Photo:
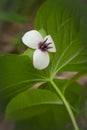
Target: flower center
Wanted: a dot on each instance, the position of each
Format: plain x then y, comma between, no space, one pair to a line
43,46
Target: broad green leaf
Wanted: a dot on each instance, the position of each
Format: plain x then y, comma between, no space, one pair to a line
56,118
16,75
65,21
74,92
53,116
29,52
31,103
42,31
76,77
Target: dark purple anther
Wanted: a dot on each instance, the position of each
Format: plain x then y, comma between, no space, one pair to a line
43,46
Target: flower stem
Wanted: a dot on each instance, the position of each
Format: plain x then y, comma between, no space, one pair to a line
66,105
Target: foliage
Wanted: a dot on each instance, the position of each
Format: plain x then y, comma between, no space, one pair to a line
45,108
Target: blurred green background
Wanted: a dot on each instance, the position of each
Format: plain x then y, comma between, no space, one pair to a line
16,17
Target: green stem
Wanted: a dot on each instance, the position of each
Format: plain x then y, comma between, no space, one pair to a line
66,105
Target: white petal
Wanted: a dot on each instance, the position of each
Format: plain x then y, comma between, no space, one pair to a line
40,59
32,38
50,40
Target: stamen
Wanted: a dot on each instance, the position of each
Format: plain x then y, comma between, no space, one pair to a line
45,41
49,43
44,46
49,47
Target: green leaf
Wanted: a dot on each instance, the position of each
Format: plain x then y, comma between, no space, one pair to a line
55,118
29,52
16,75
74,92
65,22
12,17
42,31
31,103
74,79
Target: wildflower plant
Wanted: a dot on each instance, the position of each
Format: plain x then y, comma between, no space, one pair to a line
34,40
60,28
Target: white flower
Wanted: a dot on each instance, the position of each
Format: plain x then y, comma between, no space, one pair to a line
34,40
